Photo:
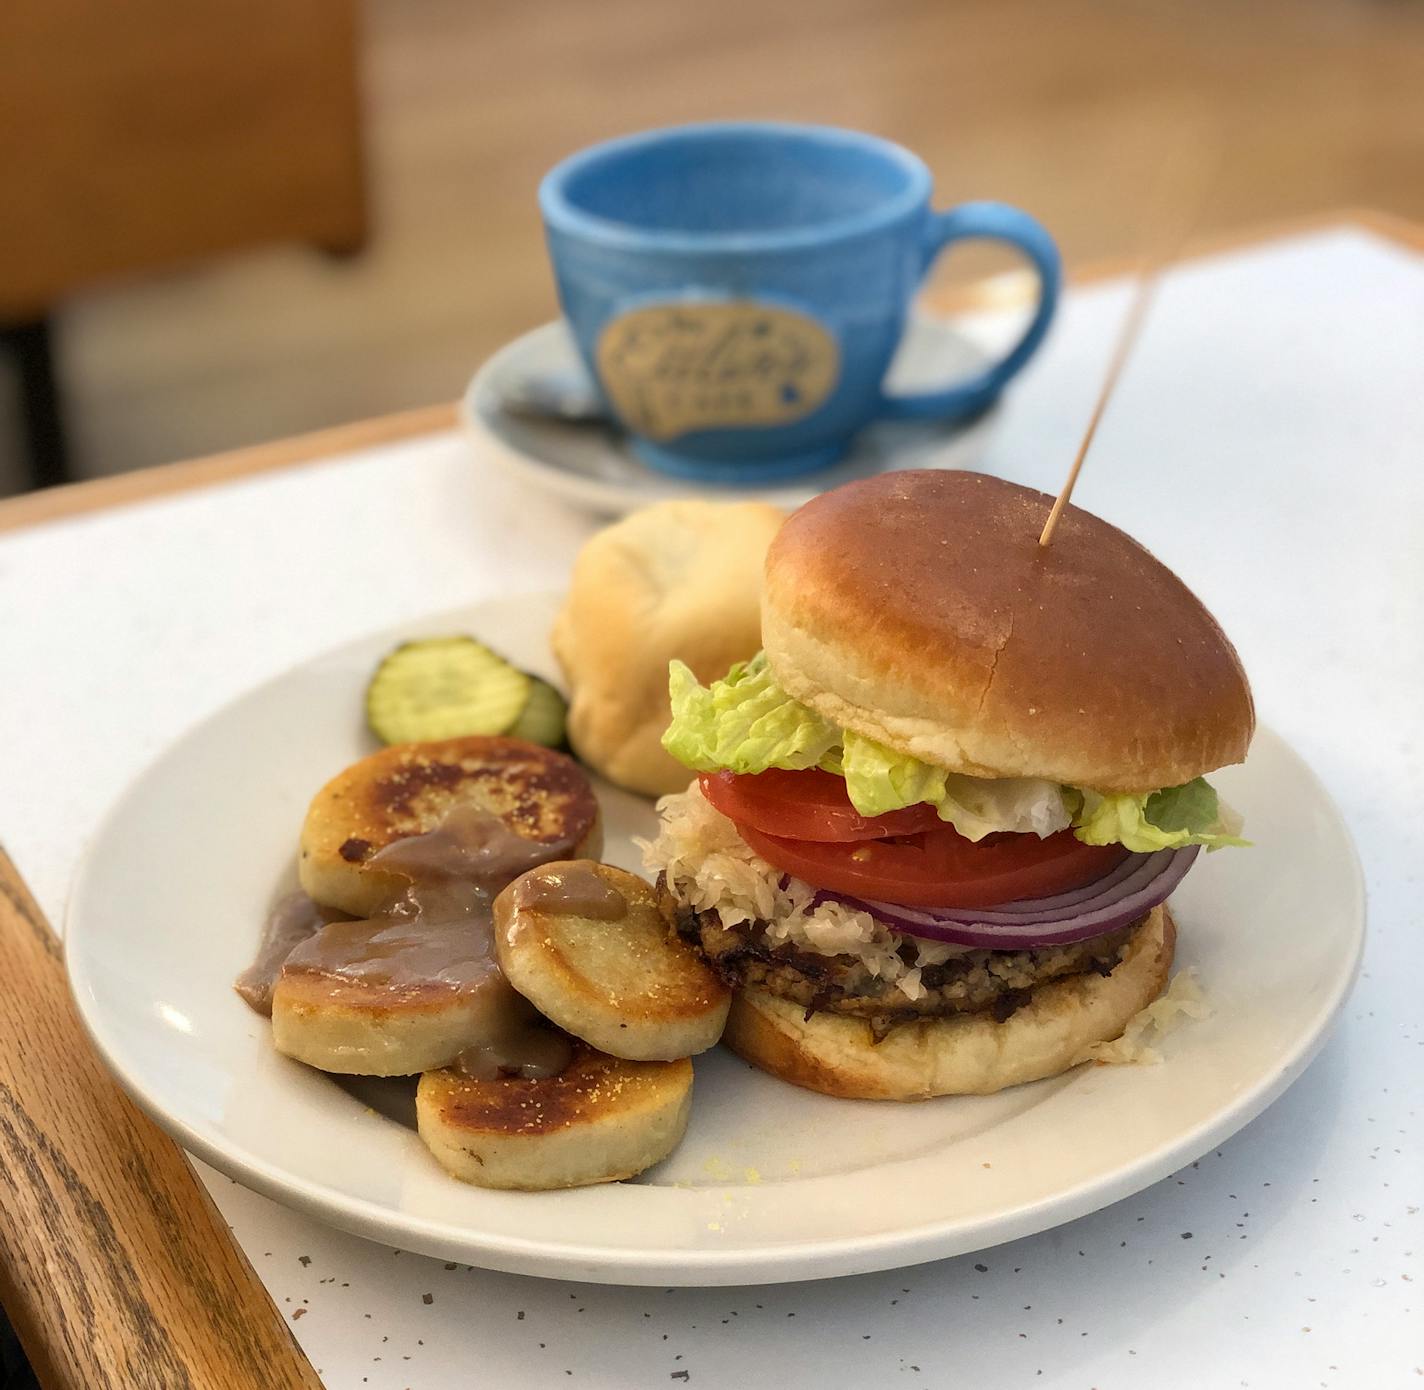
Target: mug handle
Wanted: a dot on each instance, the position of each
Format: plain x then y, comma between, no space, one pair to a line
995,222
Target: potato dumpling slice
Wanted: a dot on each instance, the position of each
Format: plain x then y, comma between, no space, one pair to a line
410,789
360,1028
601,1119
590,948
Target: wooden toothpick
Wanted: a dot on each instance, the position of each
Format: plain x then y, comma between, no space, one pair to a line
1146,288
1184,181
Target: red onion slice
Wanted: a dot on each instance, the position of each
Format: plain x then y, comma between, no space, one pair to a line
1142,870
1121,896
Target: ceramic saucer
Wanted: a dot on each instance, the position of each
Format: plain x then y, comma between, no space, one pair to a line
590,464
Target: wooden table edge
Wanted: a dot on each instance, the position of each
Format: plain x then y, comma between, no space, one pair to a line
116,1267
100,494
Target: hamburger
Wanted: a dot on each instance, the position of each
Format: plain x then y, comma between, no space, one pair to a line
937,819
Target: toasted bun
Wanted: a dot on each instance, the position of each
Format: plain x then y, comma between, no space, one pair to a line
600,1120
408,789
918,609
629,986
677,579
969,1054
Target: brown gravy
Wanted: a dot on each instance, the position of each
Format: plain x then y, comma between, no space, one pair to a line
469,845
290,923
436,933
424,939
531,1051
570,890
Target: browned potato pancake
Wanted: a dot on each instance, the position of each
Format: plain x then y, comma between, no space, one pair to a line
601,1119
410,788
591,948
415,842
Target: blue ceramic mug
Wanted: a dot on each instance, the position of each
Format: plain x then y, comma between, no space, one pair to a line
739,289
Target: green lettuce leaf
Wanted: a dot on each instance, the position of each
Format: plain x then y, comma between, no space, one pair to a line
744,722
878,779
747,723
1169,819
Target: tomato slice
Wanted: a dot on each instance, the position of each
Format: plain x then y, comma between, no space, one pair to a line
940,868
809,805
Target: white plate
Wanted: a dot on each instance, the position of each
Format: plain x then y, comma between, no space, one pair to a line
771,1183
591,465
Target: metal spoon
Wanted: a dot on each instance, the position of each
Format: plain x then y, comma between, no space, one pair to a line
560,393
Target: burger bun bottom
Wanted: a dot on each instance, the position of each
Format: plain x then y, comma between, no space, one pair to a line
966,1054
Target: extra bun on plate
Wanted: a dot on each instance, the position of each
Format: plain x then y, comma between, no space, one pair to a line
677,580
938,818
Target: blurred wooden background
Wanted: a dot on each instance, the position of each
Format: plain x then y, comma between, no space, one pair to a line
1066,107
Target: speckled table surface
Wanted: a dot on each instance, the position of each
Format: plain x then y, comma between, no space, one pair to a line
1266,444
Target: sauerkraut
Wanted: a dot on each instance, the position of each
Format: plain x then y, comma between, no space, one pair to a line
1183,999
711,868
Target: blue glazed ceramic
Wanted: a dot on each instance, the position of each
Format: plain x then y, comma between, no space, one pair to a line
738,289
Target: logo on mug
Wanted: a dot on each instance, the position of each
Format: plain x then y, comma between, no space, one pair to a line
670,369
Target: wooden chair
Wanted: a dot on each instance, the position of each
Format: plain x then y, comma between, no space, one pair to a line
141,135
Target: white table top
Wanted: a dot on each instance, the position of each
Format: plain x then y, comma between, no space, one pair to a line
1267,441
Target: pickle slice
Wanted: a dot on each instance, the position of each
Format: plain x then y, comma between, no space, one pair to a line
543,717
444,687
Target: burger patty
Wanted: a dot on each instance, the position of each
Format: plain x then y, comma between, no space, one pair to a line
976,981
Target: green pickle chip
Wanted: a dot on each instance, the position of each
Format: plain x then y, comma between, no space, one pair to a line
444,687
544,716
